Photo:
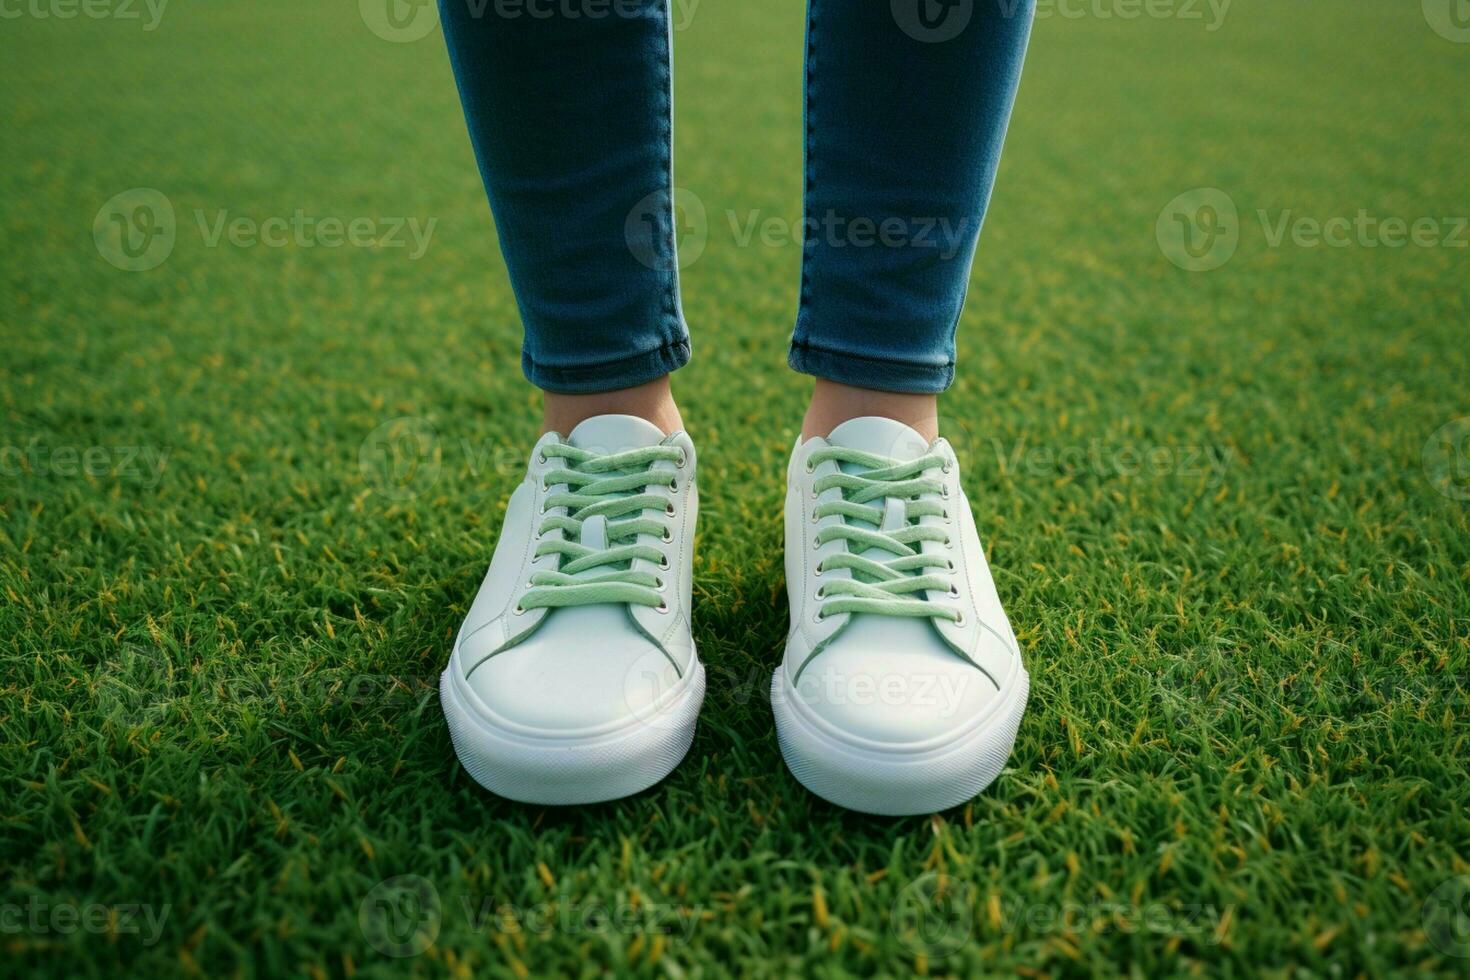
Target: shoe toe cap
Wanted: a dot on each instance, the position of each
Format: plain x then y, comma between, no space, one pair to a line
583,670
894,683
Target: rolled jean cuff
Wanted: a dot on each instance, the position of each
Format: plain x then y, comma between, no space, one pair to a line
584,379
882,374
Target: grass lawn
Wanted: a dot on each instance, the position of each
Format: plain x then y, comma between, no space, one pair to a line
247,495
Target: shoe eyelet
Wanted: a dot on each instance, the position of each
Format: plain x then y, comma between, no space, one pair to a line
668,537
949,564
663,563
811,467
944,492
673,486
954,592
946,541
819,616
519,610
960,620
541,458
669,509
815,518
945,514
660,583
818,570
662,607
682,460
944,467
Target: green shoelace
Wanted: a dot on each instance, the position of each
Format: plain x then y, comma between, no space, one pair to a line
610,486
893,587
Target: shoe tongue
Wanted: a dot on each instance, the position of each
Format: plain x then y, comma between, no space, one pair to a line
615,433
879,436
891,440
605,435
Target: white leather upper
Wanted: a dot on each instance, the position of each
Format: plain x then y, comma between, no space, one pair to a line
884,679
580,669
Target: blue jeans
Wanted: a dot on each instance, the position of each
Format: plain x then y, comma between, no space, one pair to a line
907,103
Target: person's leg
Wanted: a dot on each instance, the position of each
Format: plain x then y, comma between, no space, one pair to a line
570,117
902,684
574,678
906,108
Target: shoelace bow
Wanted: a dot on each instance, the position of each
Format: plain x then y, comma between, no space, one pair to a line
886,588
610,486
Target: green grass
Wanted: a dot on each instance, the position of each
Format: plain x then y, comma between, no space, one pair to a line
1246,746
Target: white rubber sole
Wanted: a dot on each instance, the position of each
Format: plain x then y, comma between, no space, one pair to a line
896,782
556,771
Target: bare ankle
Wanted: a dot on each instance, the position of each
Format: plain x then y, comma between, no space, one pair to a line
653,401
833,403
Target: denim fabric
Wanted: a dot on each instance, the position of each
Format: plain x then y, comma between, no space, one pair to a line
906,108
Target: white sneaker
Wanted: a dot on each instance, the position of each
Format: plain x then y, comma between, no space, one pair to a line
902,685
574,678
